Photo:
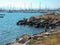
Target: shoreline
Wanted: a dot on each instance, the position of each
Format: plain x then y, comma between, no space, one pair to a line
26,39
20,40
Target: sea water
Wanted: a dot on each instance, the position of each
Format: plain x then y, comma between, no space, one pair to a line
9,31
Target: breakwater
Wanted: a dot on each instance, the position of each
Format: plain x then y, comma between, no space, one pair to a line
47,20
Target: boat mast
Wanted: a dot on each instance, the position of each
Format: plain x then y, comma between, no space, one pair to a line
40,4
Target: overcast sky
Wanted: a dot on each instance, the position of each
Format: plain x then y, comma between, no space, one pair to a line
29,4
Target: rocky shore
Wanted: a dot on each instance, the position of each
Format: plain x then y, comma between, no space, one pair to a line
45,20
51,35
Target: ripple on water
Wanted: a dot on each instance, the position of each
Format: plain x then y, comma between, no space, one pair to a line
9,30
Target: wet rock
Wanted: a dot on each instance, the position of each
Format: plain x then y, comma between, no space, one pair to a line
8,44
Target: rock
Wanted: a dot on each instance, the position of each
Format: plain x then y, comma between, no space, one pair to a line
8,44
23,37
41,21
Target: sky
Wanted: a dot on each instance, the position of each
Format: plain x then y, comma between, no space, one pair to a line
27,4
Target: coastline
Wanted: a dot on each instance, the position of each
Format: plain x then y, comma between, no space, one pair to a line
37,37
26,39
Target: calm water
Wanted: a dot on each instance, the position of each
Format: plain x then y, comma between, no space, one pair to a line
9,30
